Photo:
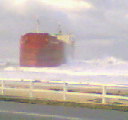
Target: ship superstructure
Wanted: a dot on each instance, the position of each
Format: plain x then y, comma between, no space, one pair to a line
69,45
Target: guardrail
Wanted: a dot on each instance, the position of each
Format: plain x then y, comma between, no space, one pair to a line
65,86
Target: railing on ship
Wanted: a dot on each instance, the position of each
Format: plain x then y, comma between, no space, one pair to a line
8,86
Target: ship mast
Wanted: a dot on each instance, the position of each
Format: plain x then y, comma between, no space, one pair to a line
37,25
59,29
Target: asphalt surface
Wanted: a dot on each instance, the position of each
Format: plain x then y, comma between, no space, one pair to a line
25,111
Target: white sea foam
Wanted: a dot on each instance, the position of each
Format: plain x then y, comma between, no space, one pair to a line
106,70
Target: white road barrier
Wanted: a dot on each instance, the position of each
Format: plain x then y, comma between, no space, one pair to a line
31,88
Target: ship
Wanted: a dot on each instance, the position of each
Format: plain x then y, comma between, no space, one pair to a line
43,49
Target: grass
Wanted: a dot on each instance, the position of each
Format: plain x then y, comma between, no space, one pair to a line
114,106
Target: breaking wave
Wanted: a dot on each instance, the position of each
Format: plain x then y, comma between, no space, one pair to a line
100,61
108,60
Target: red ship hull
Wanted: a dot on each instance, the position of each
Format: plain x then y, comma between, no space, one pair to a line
41,50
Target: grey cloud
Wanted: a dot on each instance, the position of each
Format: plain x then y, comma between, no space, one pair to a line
99,31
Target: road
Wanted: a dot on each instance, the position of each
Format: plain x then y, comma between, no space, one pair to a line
25,111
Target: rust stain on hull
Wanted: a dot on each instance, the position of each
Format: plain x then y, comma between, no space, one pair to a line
41,50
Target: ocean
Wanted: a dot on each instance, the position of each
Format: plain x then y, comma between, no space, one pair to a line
108,71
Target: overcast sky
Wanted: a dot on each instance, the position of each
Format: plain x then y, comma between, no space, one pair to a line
100,27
